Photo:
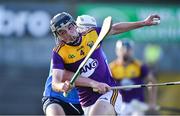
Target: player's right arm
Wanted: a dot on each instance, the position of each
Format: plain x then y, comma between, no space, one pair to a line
61,78
61,82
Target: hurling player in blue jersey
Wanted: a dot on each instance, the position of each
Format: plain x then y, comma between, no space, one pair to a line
64,105
72,47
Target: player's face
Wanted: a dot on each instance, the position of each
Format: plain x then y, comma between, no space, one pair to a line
68,33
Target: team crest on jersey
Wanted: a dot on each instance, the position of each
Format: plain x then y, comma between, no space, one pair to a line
89,68
71,56
90,44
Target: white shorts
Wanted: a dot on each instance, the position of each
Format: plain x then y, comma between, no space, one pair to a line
113,97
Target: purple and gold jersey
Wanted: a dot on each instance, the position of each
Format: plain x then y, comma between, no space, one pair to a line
132,74
70,57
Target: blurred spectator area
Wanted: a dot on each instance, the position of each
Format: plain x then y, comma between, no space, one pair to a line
34,52
24,67
29,52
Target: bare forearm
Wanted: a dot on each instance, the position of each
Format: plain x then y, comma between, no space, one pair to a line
118,28
87,82
60,76
80,81
61,82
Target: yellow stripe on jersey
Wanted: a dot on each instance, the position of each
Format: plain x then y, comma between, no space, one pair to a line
114,97
132,70
71,54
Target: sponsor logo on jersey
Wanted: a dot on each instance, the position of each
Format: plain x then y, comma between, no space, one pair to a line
89,68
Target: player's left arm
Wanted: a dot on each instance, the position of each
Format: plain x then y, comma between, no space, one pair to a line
121,27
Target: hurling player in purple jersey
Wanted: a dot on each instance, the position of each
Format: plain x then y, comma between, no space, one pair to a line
128,70
72,47
70,103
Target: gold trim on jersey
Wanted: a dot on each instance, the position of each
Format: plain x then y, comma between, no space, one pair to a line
71,54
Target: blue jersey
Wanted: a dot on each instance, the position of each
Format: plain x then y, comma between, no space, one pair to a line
72,95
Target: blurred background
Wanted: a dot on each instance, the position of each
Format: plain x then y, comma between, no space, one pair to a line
26,43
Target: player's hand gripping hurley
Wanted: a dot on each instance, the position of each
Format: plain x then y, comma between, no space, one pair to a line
104,31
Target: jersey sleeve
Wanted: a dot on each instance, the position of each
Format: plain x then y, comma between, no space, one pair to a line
57,61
